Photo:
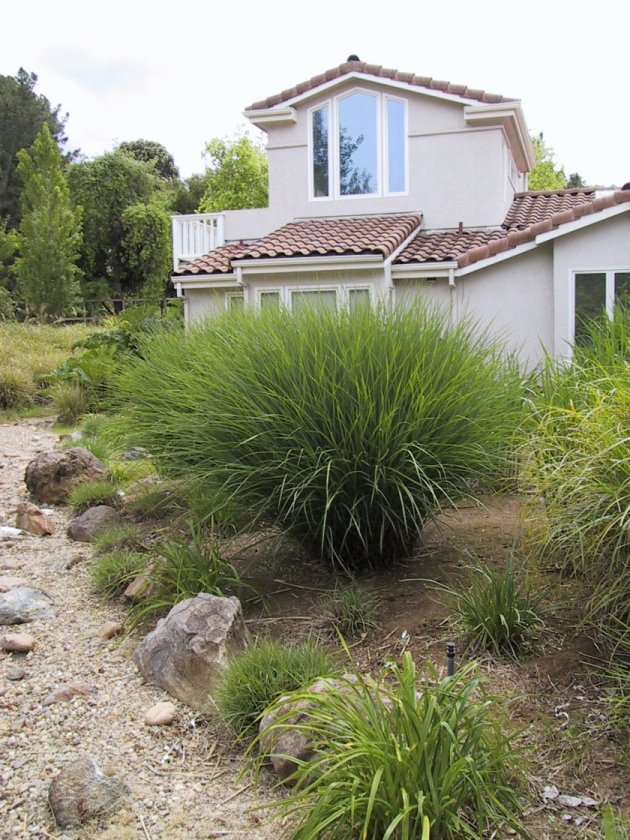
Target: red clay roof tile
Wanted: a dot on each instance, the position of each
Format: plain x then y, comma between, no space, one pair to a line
380,73
531,207
445,246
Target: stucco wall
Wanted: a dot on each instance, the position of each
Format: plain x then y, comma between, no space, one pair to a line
603,246
204,302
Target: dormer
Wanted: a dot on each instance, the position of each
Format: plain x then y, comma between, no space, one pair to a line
362,139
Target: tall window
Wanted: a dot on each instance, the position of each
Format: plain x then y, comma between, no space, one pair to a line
596,293
359,146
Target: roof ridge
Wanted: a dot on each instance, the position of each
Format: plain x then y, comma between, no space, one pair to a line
567,191
380,72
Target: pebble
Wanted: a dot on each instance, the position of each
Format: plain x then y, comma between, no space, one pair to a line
109,629
15,674
8,582
162,714
17,642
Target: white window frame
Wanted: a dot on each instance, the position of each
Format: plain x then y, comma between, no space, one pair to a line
382,145
229,296
610,291
268,291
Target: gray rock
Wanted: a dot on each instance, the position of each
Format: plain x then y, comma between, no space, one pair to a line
52,475
81,791
15,674
188,650
23,604
93,522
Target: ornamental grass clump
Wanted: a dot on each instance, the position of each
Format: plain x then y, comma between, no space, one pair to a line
386,759
348,431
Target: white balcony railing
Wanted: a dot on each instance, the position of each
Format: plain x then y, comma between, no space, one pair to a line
195,235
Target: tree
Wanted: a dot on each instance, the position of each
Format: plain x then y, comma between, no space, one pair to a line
148,151
49,236
545,175
107,188
146,248
22,114
575,181
237,175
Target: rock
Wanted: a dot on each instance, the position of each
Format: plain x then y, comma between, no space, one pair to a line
288,743
9,564
65,693
188,650
109,629
15,674
162,714
81,791
139,588
52,475
17,642
23,604
136,453
33,520
93,522
8,582
9,533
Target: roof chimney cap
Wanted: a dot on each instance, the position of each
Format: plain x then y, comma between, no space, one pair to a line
353,57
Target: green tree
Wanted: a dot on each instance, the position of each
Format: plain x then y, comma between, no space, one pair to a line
148,151
22,114
575,181
545,175
114,259
237,175
49,236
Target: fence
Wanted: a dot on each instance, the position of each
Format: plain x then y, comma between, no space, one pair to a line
94,311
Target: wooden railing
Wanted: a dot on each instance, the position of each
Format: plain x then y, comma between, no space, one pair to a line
195,235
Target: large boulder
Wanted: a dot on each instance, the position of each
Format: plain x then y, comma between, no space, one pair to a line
93,522
52,475
24,604
82,791
188,650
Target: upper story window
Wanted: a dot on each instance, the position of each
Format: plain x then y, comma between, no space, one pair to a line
359,146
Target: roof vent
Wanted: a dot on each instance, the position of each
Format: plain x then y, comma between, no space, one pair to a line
353,57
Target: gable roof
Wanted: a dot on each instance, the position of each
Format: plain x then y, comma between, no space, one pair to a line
379,72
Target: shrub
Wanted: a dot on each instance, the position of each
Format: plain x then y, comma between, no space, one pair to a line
351,609
385,760
349,431
263,672
16,391
112,572
496,611
90,494
70,402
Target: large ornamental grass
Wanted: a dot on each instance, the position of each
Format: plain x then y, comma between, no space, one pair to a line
348,431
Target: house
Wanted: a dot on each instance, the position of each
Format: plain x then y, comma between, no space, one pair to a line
389,187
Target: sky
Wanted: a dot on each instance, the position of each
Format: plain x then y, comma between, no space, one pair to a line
182,73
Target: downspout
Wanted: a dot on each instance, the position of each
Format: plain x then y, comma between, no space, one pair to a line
243,284
453,291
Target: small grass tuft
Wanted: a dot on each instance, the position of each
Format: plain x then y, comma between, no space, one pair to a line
16,391
261,673
90,494
69,402
497,611
122,536
351,610
112,572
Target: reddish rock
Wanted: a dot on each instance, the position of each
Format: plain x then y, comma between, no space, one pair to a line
8,582
82,791
33,520
51,476
109,629
162,714
65,693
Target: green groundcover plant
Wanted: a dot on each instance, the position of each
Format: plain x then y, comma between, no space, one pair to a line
349,431
385,759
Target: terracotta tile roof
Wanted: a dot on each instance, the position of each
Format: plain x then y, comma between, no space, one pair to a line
380,73
531,207
516,236
328,237
445,246
218,261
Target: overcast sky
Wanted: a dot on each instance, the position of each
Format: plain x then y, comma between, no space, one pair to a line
182,73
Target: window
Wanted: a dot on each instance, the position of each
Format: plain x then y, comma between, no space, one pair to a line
270,300
358,146
358,298
234,300
321,299
597,292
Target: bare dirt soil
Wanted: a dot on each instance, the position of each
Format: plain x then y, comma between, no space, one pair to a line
184,778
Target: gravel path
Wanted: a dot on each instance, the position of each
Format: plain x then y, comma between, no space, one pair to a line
183,784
